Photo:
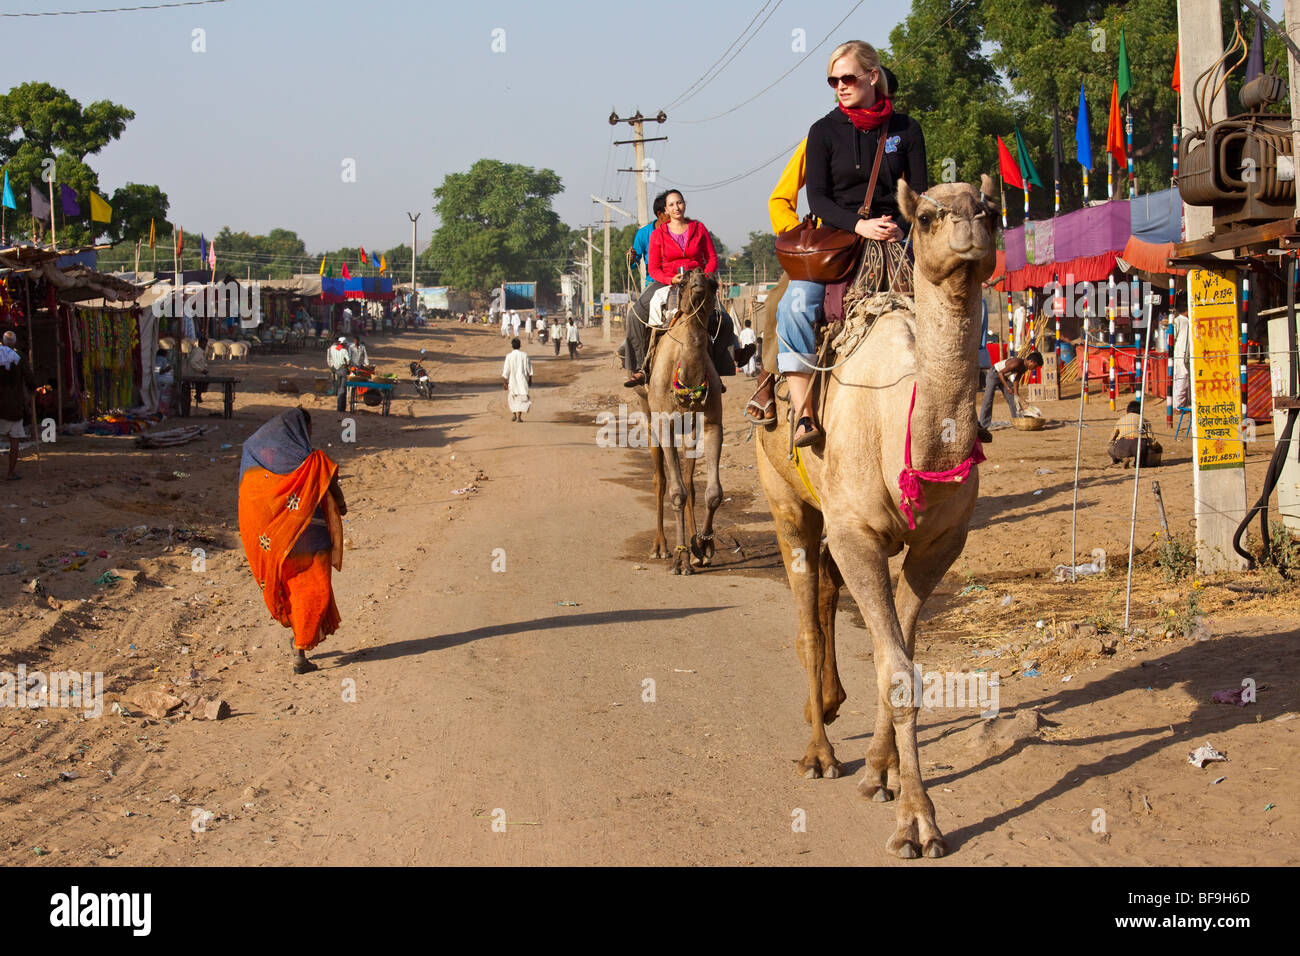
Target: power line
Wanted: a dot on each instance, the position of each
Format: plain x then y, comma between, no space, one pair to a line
687,94
77,13
785,74
705,187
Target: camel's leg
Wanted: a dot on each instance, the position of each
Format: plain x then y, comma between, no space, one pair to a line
868,580
660,547
688,477
708,445
829,583
677,488
798,532
916,582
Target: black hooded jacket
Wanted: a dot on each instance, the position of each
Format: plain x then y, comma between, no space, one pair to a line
839,159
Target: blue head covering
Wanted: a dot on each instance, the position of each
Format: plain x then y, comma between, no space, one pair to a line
279,446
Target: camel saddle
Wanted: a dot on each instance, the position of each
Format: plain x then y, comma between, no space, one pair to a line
882,284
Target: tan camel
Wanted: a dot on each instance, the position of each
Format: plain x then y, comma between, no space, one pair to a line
683,401
855,474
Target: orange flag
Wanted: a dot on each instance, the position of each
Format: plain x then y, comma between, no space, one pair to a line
1115,130
1177,83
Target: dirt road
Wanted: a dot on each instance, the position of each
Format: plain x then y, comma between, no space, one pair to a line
508,656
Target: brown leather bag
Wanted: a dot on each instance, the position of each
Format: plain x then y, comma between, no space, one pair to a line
825,254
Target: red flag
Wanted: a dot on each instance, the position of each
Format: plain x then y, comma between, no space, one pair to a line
1115,129
346,274
363,254
1177,83
180,240
1008,166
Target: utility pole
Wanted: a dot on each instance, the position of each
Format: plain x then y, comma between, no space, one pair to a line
586,268
637,122
604,311
414,219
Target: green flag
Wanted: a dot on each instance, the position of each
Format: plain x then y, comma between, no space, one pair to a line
1027,171
1125,77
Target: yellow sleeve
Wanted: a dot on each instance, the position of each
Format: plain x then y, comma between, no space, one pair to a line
782,205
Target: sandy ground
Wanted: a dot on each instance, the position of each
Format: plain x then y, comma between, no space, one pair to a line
499,645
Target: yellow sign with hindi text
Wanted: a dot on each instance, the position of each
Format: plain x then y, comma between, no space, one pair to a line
1216,380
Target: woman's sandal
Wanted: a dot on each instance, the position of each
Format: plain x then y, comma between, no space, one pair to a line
806,433
637,378
759,414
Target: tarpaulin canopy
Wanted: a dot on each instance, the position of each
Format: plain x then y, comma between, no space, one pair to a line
1084,243
1157,217
1151,256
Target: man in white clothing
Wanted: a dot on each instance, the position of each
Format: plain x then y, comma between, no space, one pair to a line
747,337
518,375
337,359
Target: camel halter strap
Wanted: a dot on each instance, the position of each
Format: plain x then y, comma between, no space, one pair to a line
909,479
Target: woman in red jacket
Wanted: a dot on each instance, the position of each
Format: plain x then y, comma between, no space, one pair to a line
676,247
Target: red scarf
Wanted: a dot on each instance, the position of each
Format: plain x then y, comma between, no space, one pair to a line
873,117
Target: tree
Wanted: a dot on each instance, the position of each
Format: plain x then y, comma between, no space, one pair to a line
947,82
497,224
134,208
756,260
42,127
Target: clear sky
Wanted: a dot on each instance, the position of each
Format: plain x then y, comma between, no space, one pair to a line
253,133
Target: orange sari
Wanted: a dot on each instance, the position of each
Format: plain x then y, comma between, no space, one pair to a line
274,511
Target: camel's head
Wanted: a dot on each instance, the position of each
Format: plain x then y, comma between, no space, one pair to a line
953,225
699,292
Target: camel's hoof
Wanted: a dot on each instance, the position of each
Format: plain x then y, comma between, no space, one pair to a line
936,848
677,569
814,767
882,795
907,851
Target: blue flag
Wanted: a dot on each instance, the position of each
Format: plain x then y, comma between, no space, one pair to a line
1082,133
9,195
374,259
68,199
203,249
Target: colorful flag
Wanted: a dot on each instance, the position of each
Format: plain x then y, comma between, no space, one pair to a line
374,260
9,194
1027,171
1125,82
383,263
1083,133
1007,167
212,254
100,210
346,274
180,240
203,249
322,265
40,204
1115,128
329,273
363,255
1177,82
68,199
152,236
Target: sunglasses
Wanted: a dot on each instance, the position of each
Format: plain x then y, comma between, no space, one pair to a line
848,79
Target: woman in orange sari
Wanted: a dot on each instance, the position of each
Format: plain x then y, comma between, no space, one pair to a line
290,511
